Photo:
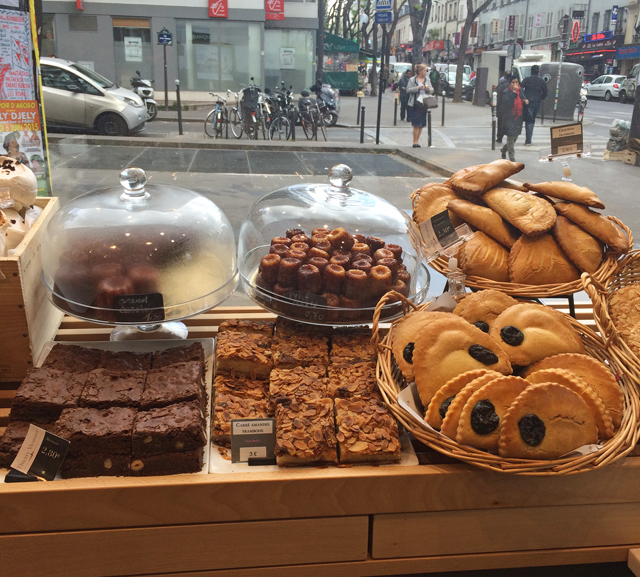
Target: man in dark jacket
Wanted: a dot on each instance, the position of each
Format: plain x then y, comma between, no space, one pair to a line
536,89
502,86
514,103
404,97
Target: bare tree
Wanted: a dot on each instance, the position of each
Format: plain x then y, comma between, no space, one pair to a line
464,41
419,12
395,8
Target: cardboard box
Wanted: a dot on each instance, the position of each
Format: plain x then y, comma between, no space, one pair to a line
27,318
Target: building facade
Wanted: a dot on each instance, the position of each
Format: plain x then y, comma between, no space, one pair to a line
212,50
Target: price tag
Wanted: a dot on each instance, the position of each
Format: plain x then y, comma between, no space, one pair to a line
41,454
567,139
252,439
145,308
438,233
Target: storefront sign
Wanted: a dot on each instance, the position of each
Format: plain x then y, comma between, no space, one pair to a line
512,23
566,139
606,35
456,38
627,52
80,4
200,38
132,49
436,45
218,8
274,9
538,19
496,25
474,30
252,439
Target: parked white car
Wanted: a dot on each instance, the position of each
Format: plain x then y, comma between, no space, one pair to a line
606,86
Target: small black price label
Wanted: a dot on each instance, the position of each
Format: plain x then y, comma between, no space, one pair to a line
41,454
144,308
252,439
438,232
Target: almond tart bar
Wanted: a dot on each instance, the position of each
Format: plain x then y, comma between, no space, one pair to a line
349,344
244,354
246,326
228,408
354,379
300,351
242,387
297,383
305,433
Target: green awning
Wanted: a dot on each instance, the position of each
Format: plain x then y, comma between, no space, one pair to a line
334,43
342,80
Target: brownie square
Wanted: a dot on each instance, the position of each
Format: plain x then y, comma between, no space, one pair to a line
355,379
305,433
244,354
13,438
106,389
179,427
296,383
227,408
300,351
192,353
125,361
45,392
106,431
173,384
242,387
244,326
96,465
168,463
352,345
73,359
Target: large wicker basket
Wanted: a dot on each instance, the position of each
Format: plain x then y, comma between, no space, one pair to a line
627,272
604,273
623,442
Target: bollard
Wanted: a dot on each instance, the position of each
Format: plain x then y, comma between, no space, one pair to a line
541,113
395,111
293,118
429,127
444,93
179,107
359,105
362,126
494,111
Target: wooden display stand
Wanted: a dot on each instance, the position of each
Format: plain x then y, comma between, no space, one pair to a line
353,521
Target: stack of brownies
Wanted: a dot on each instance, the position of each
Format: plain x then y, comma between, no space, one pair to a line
124,413
319,383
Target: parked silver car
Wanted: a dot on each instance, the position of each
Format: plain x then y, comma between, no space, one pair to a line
77,97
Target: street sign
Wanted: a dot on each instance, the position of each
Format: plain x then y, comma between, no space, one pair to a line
383,4
165,38
564,26
447,44
384,17
514,51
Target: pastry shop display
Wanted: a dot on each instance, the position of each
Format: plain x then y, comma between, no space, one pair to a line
350,248
228,407
246,354
483,307
585,251
352,379
298,382
539,260
485,220
483,256
432,199
481,178
138,254
530,214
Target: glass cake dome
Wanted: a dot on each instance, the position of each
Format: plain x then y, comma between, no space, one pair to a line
326,253
139,254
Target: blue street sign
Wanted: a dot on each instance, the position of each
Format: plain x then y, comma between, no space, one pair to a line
165,38
383,4
383,17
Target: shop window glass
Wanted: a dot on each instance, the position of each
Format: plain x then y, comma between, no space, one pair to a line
133,51
595,22
288,56
215,56
606,24
48,46
82,23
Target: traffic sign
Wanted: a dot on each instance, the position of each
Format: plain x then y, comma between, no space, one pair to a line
514,51
575,31
165,38
383,4
383,17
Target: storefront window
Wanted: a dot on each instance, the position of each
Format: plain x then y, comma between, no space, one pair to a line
289,57
133,50
218,56
48,46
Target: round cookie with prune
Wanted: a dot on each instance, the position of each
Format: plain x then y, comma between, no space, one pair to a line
530,332
591,371
483,307
482,415
546,421
449,347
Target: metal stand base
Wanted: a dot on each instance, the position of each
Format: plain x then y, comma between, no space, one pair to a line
171,330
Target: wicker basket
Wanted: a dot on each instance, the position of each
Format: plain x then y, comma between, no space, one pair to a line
603,274
627,272
622,443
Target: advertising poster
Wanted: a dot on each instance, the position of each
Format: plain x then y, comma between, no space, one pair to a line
132,49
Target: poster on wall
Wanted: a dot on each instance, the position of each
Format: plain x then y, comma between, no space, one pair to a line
287,58
132,49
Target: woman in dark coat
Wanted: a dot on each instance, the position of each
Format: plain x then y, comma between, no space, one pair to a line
513,105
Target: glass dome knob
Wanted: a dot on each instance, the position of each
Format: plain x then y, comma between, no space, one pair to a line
133,180
340,176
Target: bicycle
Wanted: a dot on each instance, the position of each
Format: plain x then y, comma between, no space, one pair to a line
280,126
235,116
217,118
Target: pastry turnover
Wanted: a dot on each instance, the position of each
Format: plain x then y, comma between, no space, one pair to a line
481,178
540,260
483,256
545,422
483,307
567,191
484,219
584,250
528,213
432,199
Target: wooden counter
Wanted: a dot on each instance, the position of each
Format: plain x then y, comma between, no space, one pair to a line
359,521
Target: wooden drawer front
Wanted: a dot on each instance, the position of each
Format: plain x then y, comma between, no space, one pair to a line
185,548
487,531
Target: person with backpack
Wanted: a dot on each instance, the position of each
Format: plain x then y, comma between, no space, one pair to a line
537,91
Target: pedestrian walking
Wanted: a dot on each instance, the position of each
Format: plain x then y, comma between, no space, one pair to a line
434,76
385,77
405,111
418,88
537,91
514,102
503,85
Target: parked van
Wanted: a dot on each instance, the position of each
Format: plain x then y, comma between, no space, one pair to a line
496,62
629,85
451,68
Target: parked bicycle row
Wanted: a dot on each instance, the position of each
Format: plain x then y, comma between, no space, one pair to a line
272,115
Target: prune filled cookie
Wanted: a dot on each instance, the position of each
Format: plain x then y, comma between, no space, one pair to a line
530,332
545,422
577,385
452,416
482,415
449,347
439,405
483,307
404,336
591,371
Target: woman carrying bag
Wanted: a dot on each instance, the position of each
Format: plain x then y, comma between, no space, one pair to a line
514,103
418,88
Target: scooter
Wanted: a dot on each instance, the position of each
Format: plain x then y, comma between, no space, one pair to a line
144,90
328,101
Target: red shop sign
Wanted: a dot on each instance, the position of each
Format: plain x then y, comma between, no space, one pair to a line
218,8
274,9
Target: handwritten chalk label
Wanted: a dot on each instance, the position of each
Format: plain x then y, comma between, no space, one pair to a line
252,439
438,233
41,454
307,298
143,308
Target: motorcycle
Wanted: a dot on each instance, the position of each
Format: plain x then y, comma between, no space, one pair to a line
144,90
328,102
